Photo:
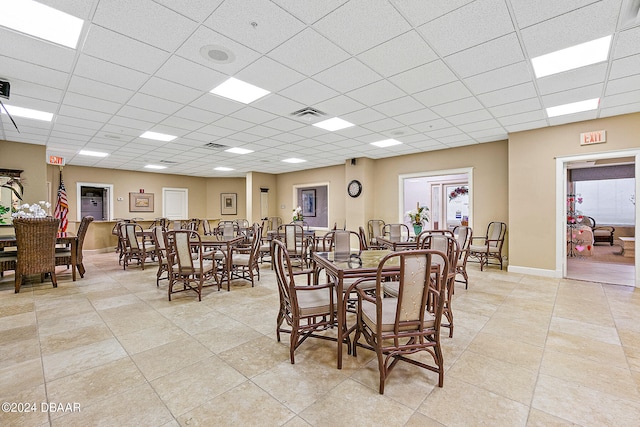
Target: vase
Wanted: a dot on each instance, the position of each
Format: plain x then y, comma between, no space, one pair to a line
417,229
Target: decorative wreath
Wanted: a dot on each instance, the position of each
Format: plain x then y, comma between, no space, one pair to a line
460,191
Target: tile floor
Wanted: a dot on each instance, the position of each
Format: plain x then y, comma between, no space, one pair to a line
527,351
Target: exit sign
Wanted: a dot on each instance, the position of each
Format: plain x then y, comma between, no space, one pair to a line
56,160
594,137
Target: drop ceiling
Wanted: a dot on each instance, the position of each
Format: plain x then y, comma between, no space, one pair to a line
431,74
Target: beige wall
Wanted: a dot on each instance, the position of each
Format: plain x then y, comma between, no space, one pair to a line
125,182
256,181
490,180
532,180
214,188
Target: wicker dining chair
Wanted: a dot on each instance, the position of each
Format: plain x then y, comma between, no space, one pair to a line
63,255
36,243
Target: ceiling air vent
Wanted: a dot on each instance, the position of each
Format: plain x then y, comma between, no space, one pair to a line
168,162
215,146
308,111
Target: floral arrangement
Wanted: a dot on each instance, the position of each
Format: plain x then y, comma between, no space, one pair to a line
460,191
36,210
573,215
297,214
419,215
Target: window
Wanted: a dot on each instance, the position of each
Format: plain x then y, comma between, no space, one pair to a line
608,201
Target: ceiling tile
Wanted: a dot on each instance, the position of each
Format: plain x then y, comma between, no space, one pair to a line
424,77
146,21
309,11
493,54
356,25
34,90
625,67
197,114
572,79
628,43
623,85
309,53
572,118
376,93
469,117
109,73
118,49
12,68
187,73
198,10
568,29
273,25
457,107
528,13
269,74
99,90
500,78
620,109
573,95
169,90
416,12
468,26
514,119
517,107
399,106
339,106
442,94
508,95
526,126
308,92
402,53
348,75
418,116
620,99
153,103
91,103
277,104
35,51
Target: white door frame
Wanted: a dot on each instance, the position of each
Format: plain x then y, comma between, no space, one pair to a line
402,177
561,205
108,187
186,207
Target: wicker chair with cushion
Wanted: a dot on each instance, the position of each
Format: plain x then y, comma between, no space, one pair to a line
244,261
190,268
294,240
160,242
489,246
136,247
375,228
397,327
306,309
463,234
36,243
396,231
63,255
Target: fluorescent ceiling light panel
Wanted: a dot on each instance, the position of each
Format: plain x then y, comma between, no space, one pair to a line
155,167
386,143
41,21
92,153
572,57
239,91
238,150
294,160
28,113
574,107
158,136
333,124
223,169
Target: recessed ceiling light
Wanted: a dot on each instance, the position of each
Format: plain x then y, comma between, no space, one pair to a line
238,150
38,20
333,124
572,57
28,113
386,143
155,167
158,136
223,169
574,107
294,160
92,153
239,91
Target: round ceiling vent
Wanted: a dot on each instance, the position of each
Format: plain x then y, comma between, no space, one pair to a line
217,54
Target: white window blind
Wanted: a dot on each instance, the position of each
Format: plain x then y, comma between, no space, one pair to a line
608,201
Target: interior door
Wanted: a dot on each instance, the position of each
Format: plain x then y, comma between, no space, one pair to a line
175,203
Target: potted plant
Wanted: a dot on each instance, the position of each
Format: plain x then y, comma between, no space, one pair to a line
418,216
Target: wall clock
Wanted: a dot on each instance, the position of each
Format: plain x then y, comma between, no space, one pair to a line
354,188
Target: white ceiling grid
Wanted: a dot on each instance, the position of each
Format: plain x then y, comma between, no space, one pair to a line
433,75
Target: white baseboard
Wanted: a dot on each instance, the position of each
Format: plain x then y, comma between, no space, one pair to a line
534,271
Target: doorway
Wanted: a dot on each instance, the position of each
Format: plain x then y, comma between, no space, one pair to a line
94,199
598,190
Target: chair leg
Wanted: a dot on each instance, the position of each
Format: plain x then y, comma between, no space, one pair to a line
18,282
54,280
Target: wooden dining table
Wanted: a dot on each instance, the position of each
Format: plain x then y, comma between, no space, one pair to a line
396,243
64,238
224,244
353,264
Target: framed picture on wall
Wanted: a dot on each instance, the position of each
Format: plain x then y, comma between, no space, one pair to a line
140,202
308,203
229,203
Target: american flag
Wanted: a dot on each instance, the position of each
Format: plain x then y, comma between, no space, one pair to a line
62,207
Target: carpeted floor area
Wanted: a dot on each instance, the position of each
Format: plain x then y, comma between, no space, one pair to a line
610,254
